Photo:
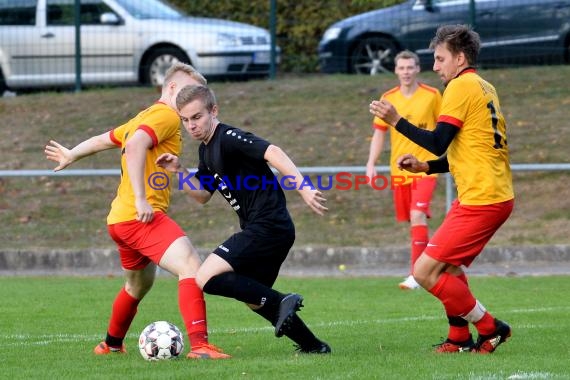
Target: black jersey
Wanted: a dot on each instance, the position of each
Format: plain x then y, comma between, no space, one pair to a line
233,163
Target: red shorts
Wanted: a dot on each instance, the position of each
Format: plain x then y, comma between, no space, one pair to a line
465,231
140,243
414,196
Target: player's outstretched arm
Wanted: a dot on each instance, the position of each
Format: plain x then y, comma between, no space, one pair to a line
281,161
171,163
65,157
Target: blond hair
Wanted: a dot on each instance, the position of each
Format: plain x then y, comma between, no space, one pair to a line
406,54
180,67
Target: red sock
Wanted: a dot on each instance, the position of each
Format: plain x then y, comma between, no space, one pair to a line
193,309
420,238
123,312
459,333
454,294
459,327
486,325
463,277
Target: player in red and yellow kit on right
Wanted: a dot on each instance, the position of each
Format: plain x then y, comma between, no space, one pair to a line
471,130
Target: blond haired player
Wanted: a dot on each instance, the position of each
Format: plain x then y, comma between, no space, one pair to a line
412,196
472,130
137,222
246,265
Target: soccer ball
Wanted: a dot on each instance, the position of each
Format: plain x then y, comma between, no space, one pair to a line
161,340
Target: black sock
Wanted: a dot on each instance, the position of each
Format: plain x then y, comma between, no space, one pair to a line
298,331
457,321
268,312
113,341
244,289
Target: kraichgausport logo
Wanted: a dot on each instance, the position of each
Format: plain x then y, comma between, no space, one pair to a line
340,181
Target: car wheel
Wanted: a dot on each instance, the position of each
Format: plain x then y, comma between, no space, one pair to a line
373,55
158,62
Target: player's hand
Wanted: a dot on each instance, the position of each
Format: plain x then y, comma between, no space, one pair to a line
315,200
145,213
412,164
58,153
385,111
169,162
371,173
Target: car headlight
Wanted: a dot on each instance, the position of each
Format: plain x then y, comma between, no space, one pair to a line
331,34
225,39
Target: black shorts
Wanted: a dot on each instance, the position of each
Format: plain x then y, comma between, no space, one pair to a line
257,254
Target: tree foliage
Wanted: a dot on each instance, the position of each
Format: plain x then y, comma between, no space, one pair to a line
300,24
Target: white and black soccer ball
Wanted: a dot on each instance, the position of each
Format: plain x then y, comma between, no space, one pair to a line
161,340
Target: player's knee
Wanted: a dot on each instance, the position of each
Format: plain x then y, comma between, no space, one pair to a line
138,289
418,218
202,280
421,276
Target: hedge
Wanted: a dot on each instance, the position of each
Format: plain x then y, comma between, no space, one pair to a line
300,24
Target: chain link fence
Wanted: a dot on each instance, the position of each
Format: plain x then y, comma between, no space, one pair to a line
135,41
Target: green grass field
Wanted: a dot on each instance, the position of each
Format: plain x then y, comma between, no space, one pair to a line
49,326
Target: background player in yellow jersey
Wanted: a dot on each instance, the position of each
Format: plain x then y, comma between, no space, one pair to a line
137,222
420,105
472,130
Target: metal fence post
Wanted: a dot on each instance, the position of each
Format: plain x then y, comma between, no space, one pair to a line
273,34
449,191
77,13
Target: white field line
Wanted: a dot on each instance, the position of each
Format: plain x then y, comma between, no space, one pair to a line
45,339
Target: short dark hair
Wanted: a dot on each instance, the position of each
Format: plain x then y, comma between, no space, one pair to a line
459,39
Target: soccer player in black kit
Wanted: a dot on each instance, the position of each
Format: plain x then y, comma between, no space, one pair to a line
247,264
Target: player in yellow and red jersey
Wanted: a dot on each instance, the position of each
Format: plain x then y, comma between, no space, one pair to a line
412,196
472,130
144,234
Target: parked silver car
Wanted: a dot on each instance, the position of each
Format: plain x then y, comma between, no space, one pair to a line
122,41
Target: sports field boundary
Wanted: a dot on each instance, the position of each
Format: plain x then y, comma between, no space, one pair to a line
303,261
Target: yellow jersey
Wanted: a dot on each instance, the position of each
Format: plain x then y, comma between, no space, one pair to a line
478,156
162,124
422,110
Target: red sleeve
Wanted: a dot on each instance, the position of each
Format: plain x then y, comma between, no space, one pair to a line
381,127
150,132
114,138
450,120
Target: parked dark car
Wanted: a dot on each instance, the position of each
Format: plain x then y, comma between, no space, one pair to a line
512,32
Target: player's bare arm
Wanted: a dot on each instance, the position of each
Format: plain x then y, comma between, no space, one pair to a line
171,162
56,152
375,150
135,154
385,111
412,164
281,161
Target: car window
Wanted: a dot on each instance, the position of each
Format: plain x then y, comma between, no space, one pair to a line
449,2
18,12
62,12
149,9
